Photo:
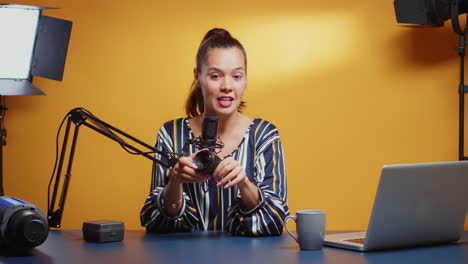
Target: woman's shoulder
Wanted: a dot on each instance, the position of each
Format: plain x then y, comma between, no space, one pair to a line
260,123
175,126
262,128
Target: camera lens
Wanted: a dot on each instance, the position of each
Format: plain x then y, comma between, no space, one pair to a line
204,159
26,229
206,162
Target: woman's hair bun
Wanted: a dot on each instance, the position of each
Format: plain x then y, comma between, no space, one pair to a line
218,32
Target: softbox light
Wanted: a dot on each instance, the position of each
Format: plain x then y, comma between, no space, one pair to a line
31,45
428,12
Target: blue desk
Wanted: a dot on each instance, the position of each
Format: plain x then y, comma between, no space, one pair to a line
67,246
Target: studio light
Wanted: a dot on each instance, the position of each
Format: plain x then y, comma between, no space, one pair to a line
23,225
31,45
428,12
434,13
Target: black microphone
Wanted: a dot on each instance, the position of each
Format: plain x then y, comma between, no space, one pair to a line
209,133
207,160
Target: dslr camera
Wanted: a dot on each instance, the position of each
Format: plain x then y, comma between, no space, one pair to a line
207,160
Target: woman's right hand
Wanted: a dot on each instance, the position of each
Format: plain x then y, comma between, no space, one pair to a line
185,171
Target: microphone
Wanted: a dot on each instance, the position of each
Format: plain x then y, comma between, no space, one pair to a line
207,160
209,133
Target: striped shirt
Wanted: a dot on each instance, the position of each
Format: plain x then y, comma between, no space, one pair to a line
207,207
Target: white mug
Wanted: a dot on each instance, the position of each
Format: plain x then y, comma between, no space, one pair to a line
310,228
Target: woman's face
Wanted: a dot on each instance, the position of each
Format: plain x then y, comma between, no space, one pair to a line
223,80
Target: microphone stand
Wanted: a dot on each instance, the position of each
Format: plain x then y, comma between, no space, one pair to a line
78,117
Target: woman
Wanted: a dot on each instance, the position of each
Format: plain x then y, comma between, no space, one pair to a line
246,195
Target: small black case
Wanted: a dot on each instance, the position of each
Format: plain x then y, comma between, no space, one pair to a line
102,231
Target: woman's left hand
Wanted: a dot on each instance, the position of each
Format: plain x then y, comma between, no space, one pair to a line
229,173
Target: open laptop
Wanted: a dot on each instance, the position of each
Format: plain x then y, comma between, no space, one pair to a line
415,205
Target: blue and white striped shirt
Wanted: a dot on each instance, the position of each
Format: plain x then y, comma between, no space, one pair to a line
207,207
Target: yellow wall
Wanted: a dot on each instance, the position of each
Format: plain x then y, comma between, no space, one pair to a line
349,89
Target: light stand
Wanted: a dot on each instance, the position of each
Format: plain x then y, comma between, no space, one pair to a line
78,117
2,139
462,88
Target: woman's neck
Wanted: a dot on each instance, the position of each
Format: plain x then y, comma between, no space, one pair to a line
226,124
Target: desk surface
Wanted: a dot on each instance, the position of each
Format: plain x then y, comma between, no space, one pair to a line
67,246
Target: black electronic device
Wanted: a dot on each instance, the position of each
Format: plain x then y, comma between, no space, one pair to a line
207,160
22,225
103,231
209,133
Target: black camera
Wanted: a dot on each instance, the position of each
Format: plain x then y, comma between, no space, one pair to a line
207,160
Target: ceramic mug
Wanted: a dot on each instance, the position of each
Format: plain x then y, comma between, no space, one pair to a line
310,226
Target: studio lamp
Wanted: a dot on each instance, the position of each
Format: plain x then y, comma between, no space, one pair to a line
31,45
434,13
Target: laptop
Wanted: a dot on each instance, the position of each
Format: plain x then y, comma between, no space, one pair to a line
415,205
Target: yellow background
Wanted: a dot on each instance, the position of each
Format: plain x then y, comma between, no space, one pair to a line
349,89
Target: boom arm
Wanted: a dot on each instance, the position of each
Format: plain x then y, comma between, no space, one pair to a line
78,117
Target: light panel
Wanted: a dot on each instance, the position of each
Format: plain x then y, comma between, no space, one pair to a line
18,33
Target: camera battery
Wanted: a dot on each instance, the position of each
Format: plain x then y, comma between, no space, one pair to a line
102,231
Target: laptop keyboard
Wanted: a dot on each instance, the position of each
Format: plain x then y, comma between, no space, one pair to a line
357,240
